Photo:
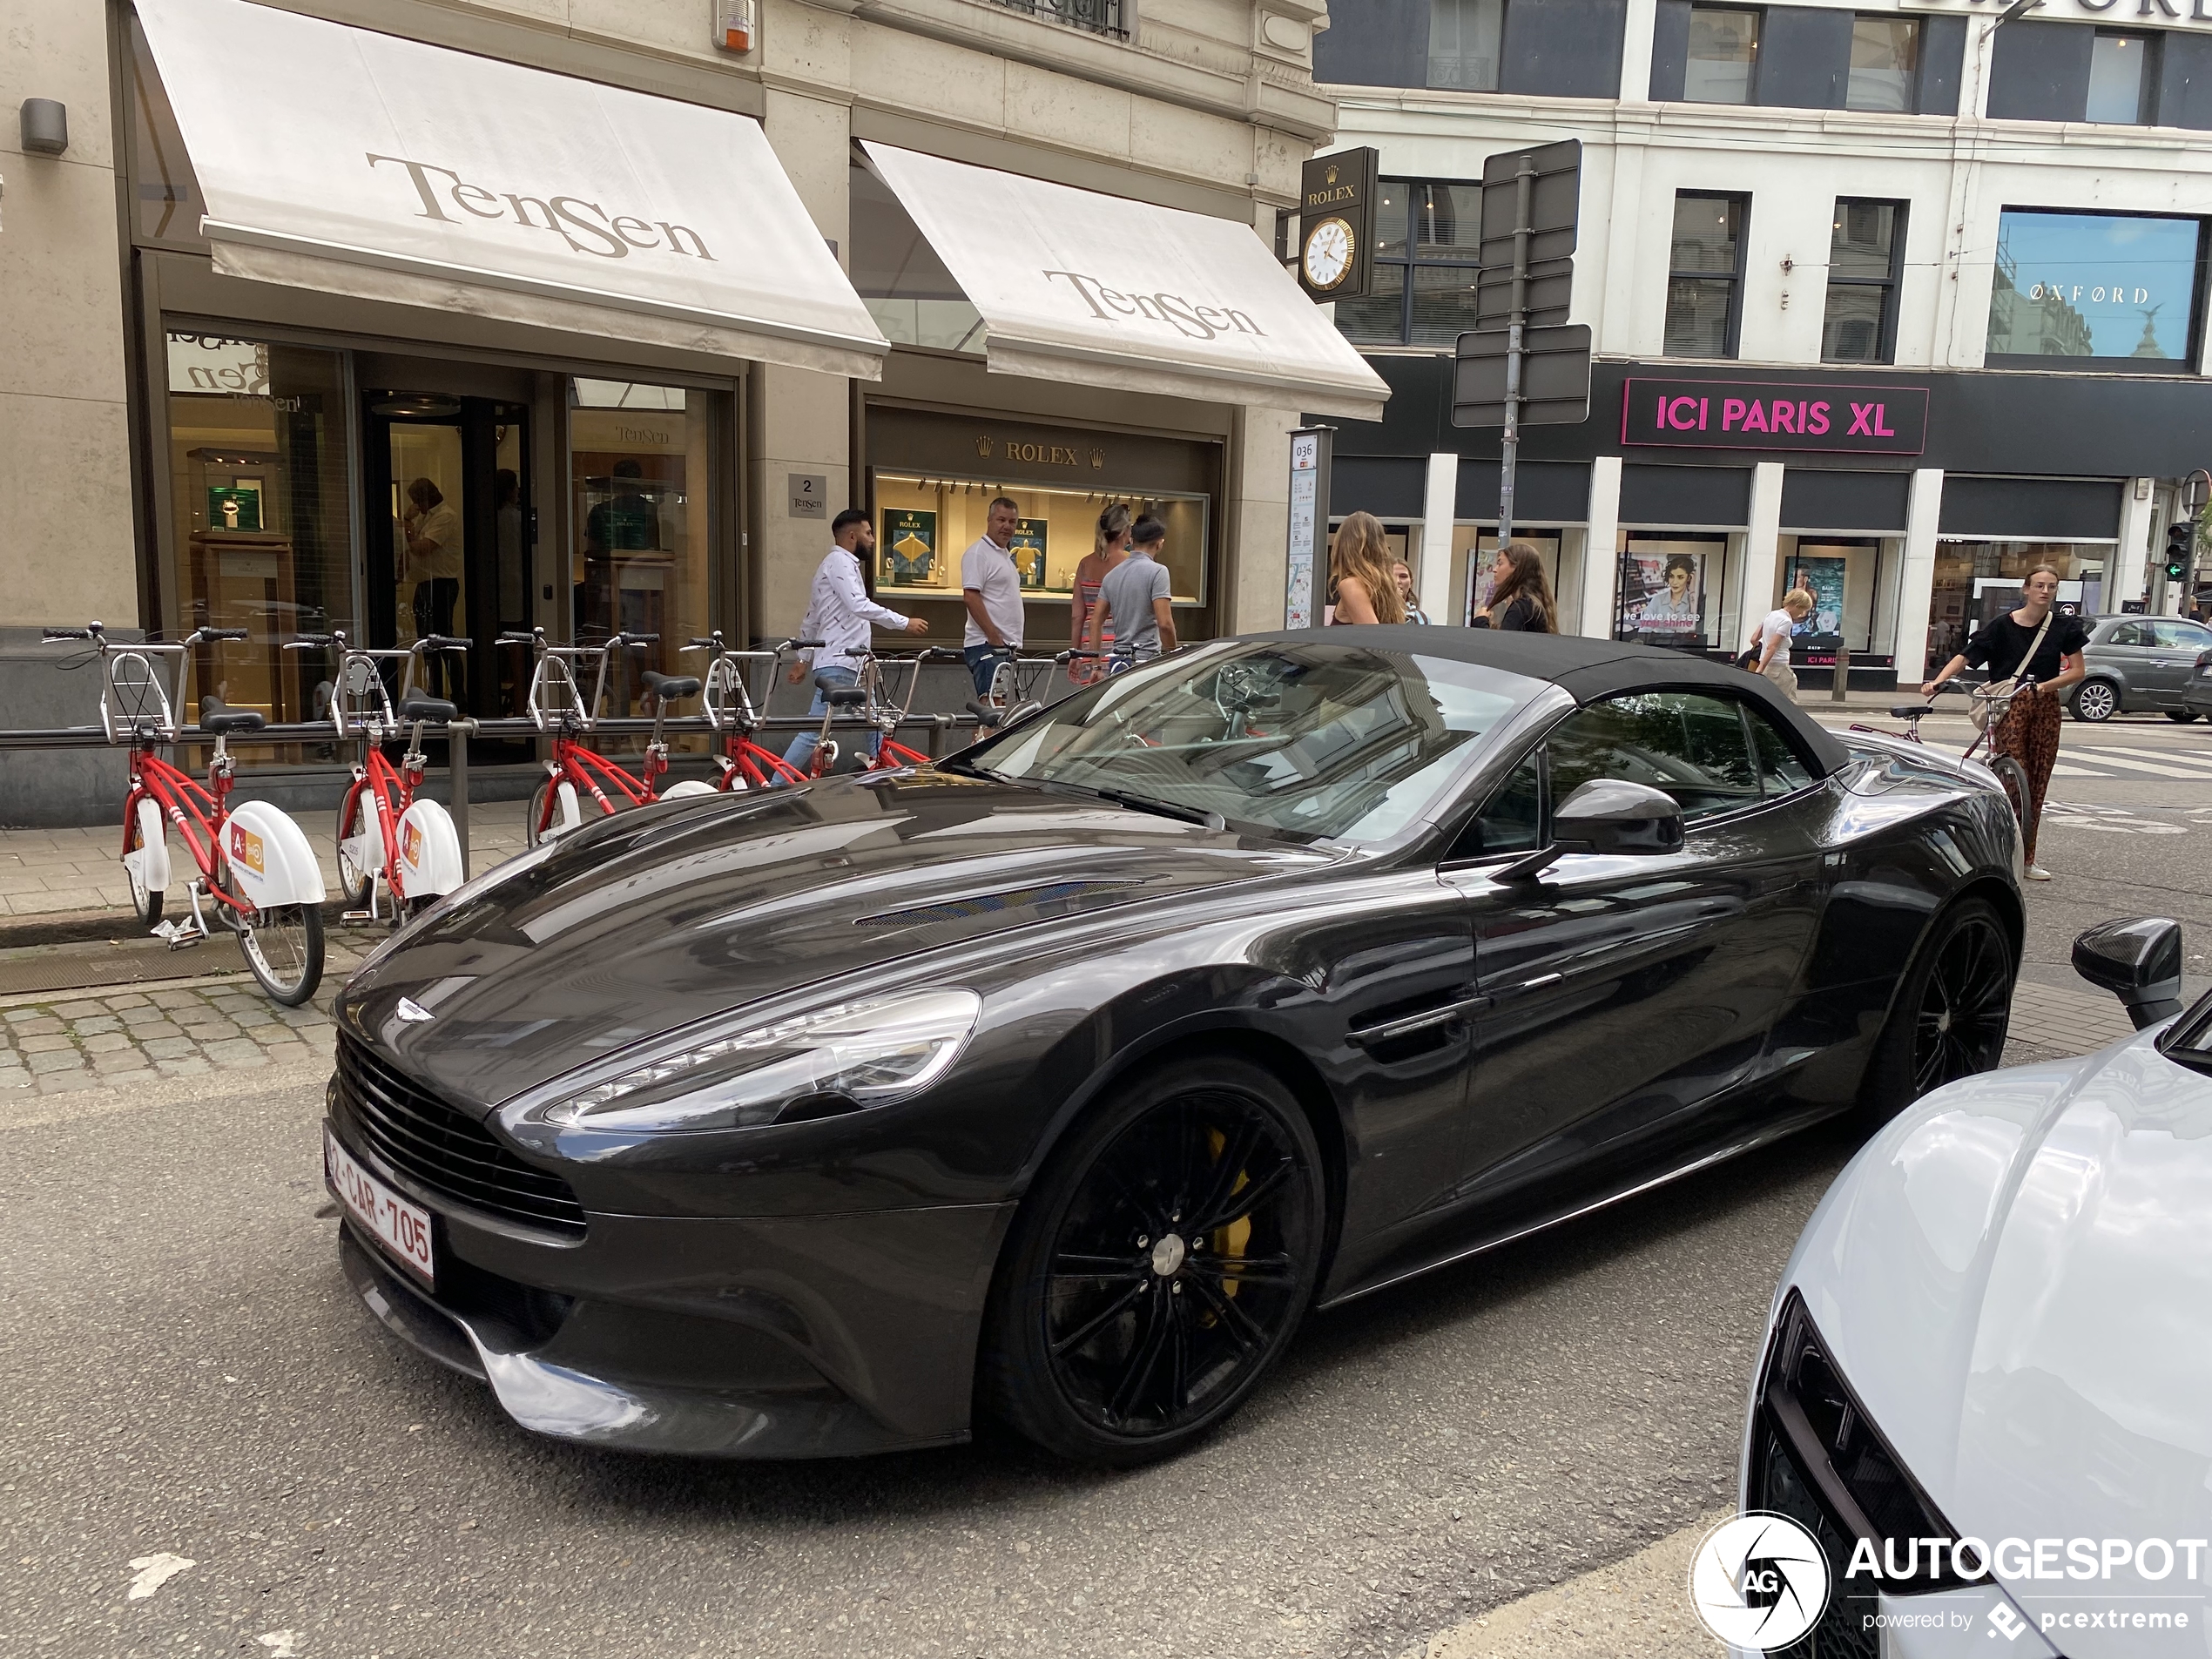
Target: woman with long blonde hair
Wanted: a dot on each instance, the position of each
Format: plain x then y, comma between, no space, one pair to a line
1359,570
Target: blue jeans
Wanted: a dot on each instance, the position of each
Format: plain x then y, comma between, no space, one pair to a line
983,665
802,747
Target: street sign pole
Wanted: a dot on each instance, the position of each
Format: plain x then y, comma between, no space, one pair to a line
1516,348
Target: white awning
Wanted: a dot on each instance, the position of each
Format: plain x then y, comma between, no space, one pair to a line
1076,286
358,162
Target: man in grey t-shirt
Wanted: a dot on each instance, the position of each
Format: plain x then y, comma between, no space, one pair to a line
1134,594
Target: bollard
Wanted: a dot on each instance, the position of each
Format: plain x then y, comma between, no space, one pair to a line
457,783
1842,674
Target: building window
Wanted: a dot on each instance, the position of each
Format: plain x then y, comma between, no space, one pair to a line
1100,17
1705,274
2119,64
1865,256
1884,54
1723,50
1428,232
1464,37
2120,291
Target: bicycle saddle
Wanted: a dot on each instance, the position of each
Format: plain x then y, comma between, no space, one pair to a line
418,705
846,696
214,716
1910,711
670,687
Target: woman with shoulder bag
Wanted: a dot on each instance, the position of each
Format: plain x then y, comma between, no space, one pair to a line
1521,597
2033,641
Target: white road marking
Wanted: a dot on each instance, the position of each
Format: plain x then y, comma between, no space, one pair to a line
2100,760
153,1571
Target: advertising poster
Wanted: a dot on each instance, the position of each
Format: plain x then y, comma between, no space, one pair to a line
1662,598
910,548
1027,548
1823,579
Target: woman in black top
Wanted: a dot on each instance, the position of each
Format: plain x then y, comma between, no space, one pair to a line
1520,598
2029,733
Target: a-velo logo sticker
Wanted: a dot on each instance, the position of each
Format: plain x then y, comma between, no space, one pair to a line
245,848
411,844
1759,1580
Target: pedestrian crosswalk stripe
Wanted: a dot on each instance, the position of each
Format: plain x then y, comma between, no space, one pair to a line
2184,757
2091,757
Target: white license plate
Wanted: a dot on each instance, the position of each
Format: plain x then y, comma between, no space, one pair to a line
402,1228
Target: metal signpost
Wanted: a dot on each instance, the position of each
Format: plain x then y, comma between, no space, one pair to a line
1535,369
1306,571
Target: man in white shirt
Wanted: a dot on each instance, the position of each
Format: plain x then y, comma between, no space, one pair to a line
839,613
991,584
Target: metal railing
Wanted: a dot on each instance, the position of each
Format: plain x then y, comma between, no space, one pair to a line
1099,17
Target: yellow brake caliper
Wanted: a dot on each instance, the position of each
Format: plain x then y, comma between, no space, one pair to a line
1229,1240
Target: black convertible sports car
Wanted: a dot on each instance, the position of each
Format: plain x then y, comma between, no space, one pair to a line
1058,1083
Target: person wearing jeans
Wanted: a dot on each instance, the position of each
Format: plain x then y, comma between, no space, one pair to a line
839,611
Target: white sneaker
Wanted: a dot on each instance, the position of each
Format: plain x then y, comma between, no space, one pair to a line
2036,872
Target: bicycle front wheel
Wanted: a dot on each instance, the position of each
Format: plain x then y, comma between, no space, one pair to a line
145,900
353,881
2013,776
283,948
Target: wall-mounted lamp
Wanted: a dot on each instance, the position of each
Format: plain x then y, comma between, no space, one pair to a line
45,126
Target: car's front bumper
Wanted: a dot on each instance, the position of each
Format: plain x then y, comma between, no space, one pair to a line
808,1336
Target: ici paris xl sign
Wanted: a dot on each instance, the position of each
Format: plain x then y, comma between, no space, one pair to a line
1739,414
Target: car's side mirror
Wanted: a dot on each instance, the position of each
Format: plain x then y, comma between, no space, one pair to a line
2139,960
1607,815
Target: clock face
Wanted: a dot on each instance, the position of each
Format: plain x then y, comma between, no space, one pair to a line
1327,258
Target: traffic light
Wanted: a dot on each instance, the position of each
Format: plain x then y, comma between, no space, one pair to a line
2181,537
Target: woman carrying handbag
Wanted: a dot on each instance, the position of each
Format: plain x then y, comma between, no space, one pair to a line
2037,642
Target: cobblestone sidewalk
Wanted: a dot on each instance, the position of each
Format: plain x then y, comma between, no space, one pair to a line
114,1039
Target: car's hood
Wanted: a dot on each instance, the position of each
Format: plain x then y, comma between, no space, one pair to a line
2016,1276
676,913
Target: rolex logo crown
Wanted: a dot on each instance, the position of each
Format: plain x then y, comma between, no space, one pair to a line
1330,177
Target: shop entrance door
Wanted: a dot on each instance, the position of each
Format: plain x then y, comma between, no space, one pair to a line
450,536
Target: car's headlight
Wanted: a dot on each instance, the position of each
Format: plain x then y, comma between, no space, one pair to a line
857,1054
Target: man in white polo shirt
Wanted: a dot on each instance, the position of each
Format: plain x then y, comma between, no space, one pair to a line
990,584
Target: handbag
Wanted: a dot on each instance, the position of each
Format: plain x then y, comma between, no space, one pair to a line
1997,692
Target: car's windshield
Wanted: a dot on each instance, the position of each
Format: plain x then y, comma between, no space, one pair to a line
1324,740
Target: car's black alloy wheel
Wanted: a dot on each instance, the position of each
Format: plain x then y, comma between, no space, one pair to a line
1951,1011
1159,1266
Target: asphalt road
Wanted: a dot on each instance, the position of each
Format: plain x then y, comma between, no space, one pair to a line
186,1375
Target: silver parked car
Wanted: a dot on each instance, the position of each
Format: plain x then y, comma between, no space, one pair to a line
1983,1387
2140,664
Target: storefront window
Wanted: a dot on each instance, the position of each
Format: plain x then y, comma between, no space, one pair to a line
258,482
1977,580
1844,575
923,525
1668,589
2122,290
638,470
1472,542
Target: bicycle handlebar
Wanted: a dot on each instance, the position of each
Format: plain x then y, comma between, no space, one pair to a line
512,636
443,642
93,632
636,642
218,633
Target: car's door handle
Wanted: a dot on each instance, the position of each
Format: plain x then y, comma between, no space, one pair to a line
1367,1036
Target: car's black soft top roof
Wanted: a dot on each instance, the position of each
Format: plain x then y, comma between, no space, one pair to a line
1588,670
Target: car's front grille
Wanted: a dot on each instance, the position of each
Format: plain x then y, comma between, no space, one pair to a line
443,1148
1779,1486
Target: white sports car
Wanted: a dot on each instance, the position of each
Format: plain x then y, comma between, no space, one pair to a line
1986,1387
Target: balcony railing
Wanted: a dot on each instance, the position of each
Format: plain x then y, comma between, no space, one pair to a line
1100,17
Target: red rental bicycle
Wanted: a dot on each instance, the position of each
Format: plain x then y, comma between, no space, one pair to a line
735,717
556,706
888,717
389,834
255,865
